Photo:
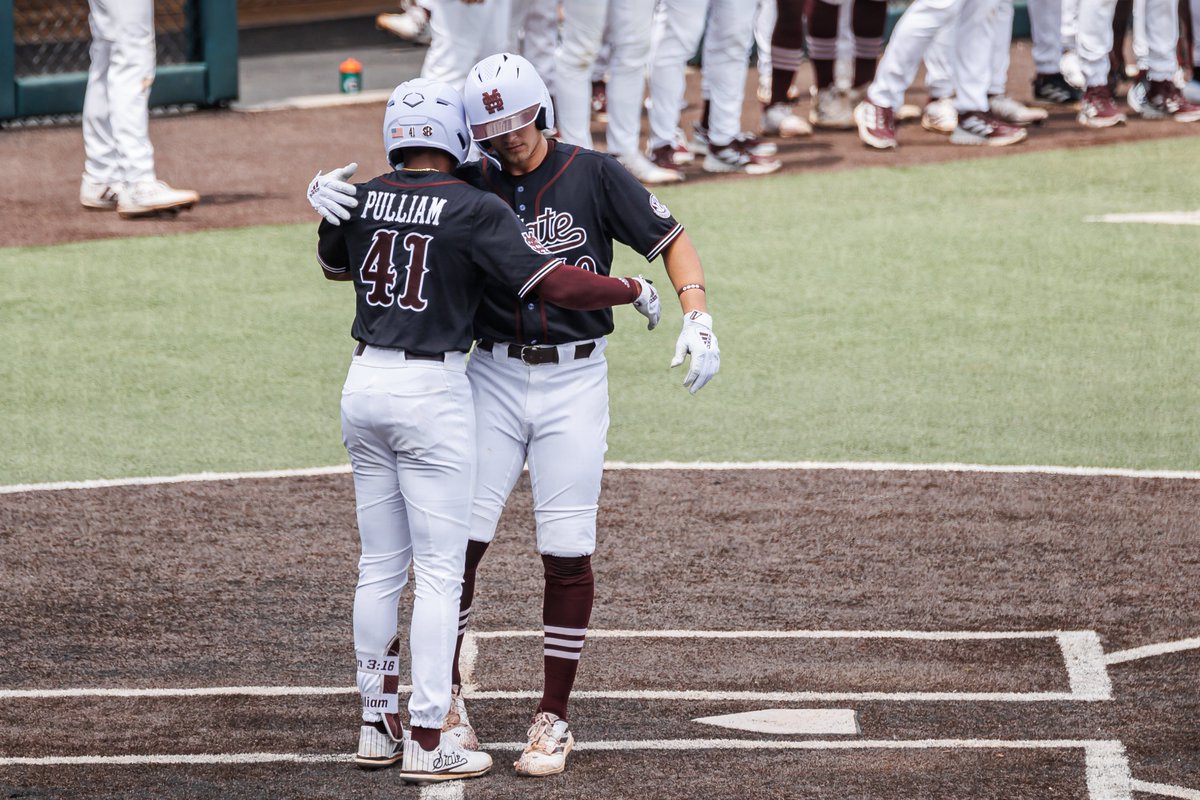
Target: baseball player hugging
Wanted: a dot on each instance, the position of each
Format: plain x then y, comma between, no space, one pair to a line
538,373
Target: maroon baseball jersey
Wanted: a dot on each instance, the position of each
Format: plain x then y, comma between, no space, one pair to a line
419,247
576,203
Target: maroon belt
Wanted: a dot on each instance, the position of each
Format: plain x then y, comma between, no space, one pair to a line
534,354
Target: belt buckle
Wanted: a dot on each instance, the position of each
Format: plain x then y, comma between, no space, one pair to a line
529,351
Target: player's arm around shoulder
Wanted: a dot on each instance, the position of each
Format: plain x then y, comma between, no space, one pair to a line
506,249
333,252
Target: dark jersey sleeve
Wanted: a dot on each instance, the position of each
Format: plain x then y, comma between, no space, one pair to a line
506,250
634,216
332,252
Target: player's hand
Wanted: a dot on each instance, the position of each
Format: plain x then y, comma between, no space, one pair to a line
698,339
647,303
330,195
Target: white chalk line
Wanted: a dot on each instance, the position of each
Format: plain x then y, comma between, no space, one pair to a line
797,634
848,466
1087,673
601,746
1107,770
1165,790
449,790
1150,218
1151,650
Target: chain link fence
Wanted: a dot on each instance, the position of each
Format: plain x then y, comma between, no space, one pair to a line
53,37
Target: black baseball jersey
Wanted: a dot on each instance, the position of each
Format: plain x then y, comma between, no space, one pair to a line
575,203
420,247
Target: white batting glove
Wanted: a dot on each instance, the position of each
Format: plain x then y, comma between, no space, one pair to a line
647,303
697,338
330,195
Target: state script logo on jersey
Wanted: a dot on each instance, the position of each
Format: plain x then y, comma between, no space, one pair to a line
557,232
492,101
658,208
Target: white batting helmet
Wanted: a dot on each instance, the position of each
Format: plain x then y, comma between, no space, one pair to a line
504,93
425,113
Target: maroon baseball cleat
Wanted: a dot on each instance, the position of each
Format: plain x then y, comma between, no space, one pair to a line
876,125
1098,109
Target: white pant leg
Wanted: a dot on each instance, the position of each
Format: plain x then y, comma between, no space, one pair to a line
843,67
764,26
1045,22
629,25
902,56
939,61
683,25
541,37
123,35
1161,27
973,54
1094,39
566,452
500,392
1138,32
582,33
461,34
1194,6
1070,24
726,62
410,433
1002,32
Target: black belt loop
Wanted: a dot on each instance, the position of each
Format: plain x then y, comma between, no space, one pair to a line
362,346
583,351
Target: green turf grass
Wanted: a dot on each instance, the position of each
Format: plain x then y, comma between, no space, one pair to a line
955,312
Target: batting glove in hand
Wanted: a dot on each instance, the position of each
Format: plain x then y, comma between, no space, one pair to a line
647,303
330,195
698,339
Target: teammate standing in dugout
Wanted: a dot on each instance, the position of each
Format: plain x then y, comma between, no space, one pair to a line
538,373
417,252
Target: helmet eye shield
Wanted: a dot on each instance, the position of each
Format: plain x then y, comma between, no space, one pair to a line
498,127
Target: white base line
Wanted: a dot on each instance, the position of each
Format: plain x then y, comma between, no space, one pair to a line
868,466
1086,668
1150,650
936,636
1107,771
659,744
1165,790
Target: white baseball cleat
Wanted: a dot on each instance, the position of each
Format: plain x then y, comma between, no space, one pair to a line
98,196
780,120
147,198
550,742
648,172
411,25
458,724
1013,111
447,762
831,108
376,748
940,116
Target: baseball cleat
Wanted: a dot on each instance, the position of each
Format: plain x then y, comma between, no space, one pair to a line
150,198
447,762
98,196
550,742
737,157
940,116
458,724
781,120
647,172
831,108
876,125
376,748
981,128
1014,112
1098,109
411,25
1053,90
1161,100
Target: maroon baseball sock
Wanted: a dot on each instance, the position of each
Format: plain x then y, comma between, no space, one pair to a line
428,738
822,40
867,20
566,609
475,551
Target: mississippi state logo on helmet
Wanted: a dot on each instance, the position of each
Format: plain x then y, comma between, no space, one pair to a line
504,93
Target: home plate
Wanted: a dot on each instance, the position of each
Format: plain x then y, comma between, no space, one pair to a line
1152,217
812,721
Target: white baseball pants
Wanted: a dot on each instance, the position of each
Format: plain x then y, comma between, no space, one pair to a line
1046,29
533,32
912,37
116,107
939,59
726,49
1095,38
555,416
580,39
764,26
462,34
409,427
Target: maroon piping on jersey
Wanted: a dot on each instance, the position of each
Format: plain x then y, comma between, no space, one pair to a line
450,182
537,202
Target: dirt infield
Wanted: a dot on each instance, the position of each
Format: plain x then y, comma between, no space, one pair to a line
252,168
248,583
